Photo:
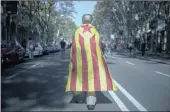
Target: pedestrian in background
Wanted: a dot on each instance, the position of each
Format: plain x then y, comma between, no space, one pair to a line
103,47
62,44
31,48
143,48
88,70
130,48
24,44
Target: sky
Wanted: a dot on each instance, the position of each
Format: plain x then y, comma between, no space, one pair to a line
83,7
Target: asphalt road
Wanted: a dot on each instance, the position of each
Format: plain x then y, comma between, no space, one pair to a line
39,85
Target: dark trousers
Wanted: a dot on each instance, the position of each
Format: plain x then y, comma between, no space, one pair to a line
143,52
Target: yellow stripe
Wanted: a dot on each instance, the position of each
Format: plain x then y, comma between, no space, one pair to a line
102,72
87,36
113,83
79,62
70,71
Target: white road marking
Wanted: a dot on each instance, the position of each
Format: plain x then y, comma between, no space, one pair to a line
22,71
51,76
129,63
118,101
113,57
34,65
12,76
162,74
132,99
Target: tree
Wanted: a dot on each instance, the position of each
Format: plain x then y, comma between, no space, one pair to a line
128,16
44,17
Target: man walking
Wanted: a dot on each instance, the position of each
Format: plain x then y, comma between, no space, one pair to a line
130,48
63,44
143,48
31,48
103,46
88,71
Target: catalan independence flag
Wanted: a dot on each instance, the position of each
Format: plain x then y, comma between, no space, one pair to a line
88,70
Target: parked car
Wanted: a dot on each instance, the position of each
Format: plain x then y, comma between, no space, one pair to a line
12,52
51,48
45,48
57,47
37,52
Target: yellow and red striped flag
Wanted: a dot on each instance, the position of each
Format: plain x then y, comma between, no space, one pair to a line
88,70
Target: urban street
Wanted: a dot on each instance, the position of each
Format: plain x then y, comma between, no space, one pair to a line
39,85
51,50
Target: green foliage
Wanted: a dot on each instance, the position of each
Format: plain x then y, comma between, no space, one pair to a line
129,16
45,17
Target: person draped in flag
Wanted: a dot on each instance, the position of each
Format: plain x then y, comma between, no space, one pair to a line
88,70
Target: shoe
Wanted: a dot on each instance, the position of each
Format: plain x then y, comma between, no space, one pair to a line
91,102
91,107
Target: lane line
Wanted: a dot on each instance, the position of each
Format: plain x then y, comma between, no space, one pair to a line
113,57
129,63
34,65
132,99
12,76
50,76
162,74
18,73
118,101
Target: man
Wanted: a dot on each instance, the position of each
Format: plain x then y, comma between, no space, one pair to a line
143,48
62,43
130,48
31,48
69,45
103,47
24,43
88,71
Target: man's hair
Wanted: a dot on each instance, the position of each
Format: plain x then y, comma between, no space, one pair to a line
30,38
85,20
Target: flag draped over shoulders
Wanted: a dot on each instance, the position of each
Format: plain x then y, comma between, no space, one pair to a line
88,70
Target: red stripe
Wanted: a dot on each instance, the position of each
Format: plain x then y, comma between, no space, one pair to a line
74,69
84,64
95,64
108,77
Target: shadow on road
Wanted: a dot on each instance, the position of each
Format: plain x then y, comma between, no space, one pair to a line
42,86
101,98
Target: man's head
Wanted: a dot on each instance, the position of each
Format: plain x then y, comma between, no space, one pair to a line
87,19
30,38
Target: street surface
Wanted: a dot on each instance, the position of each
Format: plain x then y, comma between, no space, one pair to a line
39,85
